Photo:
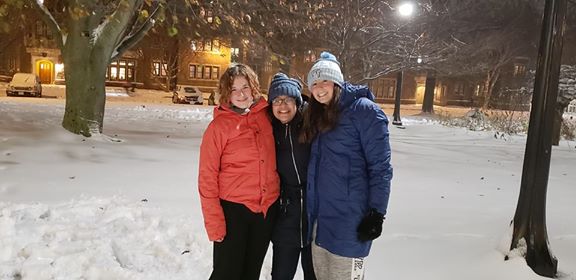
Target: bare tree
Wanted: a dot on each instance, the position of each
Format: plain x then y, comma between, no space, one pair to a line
492,34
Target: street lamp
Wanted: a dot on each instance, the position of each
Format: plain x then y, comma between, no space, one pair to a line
405,10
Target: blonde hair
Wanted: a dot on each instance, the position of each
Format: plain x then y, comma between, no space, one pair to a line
227,80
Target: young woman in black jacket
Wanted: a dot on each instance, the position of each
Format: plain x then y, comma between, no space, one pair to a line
289,236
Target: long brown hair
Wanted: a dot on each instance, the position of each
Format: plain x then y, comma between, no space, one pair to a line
227,80
319,117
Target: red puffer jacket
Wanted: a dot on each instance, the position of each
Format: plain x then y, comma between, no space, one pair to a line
237,164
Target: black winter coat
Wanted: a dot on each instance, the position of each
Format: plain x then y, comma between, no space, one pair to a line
292,165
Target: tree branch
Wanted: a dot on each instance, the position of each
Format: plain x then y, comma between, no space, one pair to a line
132,39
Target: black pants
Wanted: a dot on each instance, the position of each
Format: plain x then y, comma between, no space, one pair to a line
241,254
285,262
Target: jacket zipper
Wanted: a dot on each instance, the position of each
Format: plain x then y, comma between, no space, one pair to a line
299,182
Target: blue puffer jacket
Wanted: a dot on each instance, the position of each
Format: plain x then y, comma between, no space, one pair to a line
349,173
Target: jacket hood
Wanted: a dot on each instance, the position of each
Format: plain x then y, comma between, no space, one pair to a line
351,92
258,106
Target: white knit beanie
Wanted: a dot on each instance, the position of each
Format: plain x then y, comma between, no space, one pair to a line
325,68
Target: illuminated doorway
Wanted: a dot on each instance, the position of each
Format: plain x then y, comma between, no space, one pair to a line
45,69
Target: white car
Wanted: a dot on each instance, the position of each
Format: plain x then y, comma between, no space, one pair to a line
24,84
187,95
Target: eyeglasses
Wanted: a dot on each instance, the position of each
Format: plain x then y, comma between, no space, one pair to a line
288,101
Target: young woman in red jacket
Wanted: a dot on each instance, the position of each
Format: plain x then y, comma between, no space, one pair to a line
237,180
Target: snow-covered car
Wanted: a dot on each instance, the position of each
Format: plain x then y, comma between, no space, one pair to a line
187,95
24,84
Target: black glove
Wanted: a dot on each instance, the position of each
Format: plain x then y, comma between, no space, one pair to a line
371,226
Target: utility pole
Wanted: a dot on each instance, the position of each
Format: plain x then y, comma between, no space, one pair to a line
530,217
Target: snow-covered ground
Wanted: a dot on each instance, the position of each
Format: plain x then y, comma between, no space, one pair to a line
125,205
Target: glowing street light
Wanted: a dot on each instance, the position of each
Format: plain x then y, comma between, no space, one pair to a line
406,9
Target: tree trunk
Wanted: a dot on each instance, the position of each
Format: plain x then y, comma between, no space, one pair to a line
530,217
86,66
489,83
557,129
428,103
85,98
398,98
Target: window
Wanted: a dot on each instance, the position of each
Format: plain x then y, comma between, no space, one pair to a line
519,69
479,89
268,66
215,72
191,71
121,70
439,93
114,73
42,30
206,72
209,45
199,72
39,29
384,88
234,54
459,89
209,17
130,71
309,56
159,69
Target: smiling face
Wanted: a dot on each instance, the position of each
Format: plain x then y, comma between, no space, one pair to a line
323,91
284,108
241,93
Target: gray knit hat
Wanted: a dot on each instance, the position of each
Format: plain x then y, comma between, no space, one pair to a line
283,85
325,68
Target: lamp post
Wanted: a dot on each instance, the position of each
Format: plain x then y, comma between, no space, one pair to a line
405,10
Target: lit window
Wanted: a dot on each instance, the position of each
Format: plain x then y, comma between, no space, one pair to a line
113,73
234,54
209,17
207,72
519,69
191,71
159,69
156,68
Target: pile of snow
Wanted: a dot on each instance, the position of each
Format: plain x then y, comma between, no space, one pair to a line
98,238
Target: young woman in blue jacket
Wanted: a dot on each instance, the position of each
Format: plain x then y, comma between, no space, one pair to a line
349,171
289,236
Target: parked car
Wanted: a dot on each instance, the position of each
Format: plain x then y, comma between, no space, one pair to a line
24,84
187,95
